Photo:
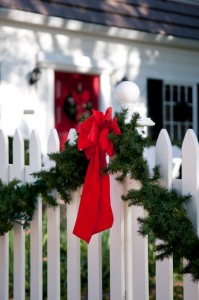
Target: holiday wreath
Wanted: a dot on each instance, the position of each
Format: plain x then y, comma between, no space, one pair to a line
77,105
166,215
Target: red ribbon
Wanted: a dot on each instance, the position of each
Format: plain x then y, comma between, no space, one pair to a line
95,213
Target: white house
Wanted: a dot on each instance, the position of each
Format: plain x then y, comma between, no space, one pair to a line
82,48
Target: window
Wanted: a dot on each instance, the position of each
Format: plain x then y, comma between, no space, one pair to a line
173,106
178,110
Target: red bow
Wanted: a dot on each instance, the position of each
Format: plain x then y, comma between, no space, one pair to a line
95,213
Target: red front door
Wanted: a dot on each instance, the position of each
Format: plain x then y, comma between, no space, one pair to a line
75,96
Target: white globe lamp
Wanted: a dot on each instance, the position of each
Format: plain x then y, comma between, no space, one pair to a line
128,93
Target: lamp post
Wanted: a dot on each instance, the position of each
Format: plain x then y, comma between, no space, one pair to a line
127,93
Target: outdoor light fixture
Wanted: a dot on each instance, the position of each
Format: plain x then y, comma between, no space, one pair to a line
35,75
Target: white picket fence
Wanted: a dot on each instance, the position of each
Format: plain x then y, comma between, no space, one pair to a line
129,278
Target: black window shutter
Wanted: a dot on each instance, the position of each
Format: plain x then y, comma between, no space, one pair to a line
154,97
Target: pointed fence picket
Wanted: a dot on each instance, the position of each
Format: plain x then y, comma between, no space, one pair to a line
73,243
95,268
128,250
73,250
136,250
164,269
190,185
36,224
117,248
17,172
53,232
4,240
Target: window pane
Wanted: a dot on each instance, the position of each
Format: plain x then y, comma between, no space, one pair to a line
175,93
190,115
167,113
182,94
167,93
177,110
190,97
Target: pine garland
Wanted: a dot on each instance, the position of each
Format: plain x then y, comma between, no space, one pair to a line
17,204
66,176
18,201
166,215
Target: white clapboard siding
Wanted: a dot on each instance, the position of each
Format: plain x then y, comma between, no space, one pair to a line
4,240
117,243
17,171
190,184
164,269
36,224
53,232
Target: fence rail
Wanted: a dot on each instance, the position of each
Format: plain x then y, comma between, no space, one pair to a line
129,277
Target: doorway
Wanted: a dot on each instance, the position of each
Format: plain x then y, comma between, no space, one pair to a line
75,96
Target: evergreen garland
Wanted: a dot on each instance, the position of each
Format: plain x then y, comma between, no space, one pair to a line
18,201
166,215
66,176
17,204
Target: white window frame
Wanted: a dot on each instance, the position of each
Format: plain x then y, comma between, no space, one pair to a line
194,105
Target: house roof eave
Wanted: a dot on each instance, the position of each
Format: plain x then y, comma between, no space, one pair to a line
55,23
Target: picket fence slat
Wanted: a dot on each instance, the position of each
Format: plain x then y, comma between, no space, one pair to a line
128,250
95,268
190,160
4,156
73,243
163,155
4,240
117,247
17,171
36,280
136,251
128,243
190,184
136,277
164,269
4,266
73,250
140,258
53,232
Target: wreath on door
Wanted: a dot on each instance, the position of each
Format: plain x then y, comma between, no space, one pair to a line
77,106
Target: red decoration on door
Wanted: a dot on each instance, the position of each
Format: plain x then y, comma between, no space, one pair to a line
75,97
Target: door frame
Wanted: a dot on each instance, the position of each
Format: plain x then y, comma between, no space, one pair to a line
81,64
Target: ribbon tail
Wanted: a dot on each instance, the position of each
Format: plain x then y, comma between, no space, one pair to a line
105,214
95,214
88,208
